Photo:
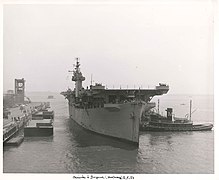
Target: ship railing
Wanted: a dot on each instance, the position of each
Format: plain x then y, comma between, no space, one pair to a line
162,87
111,105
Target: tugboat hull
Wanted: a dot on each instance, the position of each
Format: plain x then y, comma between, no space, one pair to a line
202,127
176,127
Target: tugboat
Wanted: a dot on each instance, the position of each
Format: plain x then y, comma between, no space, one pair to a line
153,121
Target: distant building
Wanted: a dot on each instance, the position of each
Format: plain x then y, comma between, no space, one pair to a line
19,91
10,91
17,96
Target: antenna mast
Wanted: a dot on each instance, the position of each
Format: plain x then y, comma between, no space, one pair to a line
190,110
158,106
91,80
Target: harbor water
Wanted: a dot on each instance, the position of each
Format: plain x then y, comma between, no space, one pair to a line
74,150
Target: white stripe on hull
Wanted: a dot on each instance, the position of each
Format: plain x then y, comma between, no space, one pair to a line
122,122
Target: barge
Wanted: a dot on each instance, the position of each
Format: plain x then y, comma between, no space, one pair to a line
41,124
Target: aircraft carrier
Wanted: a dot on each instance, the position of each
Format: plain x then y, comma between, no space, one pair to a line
111,112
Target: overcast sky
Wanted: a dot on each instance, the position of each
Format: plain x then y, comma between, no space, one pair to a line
120,44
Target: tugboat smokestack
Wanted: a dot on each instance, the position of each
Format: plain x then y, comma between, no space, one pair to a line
169,113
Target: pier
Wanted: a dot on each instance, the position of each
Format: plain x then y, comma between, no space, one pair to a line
19,117
15,141
41,124
17,112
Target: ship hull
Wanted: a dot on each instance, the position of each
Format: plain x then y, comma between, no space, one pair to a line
120,121
158,128
176,127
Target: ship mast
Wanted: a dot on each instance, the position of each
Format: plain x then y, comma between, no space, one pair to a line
190,110
78,78
158,106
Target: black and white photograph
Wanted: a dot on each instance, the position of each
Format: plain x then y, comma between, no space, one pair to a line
108,89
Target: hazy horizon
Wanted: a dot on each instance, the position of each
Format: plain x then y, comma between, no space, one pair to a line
168,93
136,45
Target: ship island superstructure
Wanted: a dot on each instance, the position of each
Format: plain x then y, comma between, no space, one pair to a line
111,112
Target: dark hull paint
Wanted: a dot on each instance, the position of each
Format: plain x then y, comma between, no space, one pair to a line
34,131
107,136
199,127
